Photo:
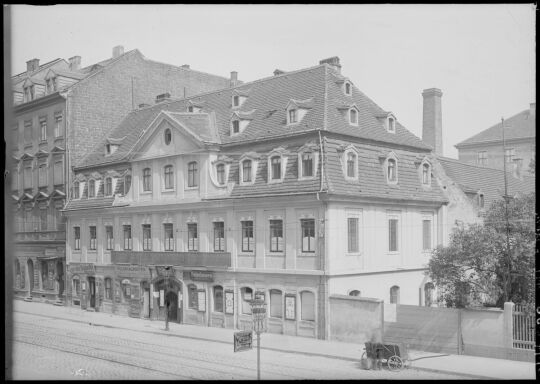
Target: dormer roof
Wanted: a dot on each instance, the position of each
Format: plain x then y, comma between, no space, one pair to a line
305,104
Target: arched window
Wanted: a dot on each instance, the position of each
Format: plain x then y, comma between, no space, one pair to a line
351,164
353,116
108,288
168,177
354,292
276,167
76,188
167,136
246,294
193,176
108,186
307,306
429,290
220,170
147,179
394,295
192,296
425,174
347,88
276,303
246,171
91,188
392,170
218,298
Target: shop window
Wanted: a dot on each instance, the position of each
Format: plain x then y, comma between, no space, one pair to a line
307,303
108,289
218,298
308,235
193,241
247,236
128,240
394,295
247,296
192,296
276,235
126,290
219,236
276,303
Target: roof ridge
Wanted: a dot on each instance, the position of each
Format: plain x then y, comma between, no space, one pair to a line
182,68
442,158
42,66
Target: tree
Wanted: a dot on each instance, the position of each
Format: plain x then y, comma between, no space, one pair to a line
476,267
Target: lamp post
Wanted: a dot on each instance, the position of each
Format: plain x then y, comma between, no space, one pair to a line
258,312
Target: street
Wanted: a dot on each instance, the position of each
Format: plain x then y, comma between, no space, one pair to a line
51,347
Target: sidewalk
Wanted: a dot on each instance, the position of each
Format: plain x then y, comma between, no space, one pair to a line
471,367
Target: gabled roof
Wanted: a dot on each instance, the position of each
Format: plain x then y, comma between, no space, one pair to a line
21,76
489,181
33,80
520,126
200,125
70,74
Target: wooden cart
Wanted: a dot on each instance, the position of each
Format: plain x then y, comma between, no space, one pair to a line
394,355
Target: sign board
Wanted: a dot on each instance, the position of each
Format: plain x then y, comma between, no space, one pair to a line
243,341
82,268
165,271
290,307
201,296
131,270
202,276
229,302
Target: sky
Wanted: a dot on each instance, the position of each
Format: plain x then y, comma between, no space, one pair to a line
482,57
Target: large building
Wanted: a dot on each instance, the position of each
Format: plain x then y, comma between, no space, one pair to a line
296,186
486,149
60,111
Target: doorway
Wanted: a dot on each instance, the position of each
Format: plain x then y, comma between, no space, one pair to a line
60,277
172,298
145,288
30,265
92,291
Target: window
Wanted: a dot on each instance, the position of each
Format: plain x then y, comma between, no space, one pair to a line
193,241
58,131
276,167
425,174
219,236
307,306
426,235
393,235
354,292
108,186
236,101
192,296
247,236
42,175
43,129
247,295
76,190
429,290
193,178
76,286
220,170
353,116
43,219
392,170
108,289
351,165
509,155
293,115
482,158
169,237
110,237
92,238
168,177
128,240
246,171
147,180
27,177
28,131
167,136
394,295
218,298
236,126
276,303
276,235
147,237
77,238
391,124
190,108
307,165
58,171
352,230
480,200
127,184
308,235
91,188
347,88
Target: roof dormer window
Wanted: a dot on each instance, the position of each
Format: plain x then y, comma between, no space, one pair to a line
239,96
220,173
391,124
391,171
110,148
275,170
236,101
308,159
293,116
240,120
349,162
348,88
277,164
426,174
246,171
353,116
190,108
248,168
235,126
91,188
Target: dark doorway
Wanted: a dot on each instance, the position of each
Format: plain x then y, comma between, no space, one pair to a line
92,291
30,265
60,277
172,298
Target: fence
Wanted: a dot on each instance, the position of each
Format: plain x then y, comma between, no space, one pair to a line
523,329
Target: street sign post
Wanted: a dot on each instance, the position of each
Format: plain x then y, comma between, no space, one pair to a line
243,341
258,312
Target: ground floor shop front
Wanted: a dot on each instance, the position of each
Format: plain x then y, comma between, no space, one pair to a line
215,298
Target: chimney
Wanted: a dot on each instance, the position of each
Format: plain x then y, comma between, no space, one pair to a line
432,119
163,97
117,51
142,105
74,63
234,78
32,65
518,165
532,110
333,61
278,72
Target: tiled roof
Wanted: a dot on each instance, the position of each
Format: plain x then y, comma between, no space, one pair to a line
94,203
23,75
522,125
199,124
71,74
489,181
268,98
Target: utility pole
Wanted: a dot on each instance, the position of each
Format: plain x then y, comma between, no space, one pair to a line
258,312
507,280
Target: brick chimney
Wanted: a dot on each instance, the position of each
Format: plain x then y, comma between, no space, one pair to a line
163,97
432,119
74,63
32,65
278,72
518,168
333,61
117,51
532,110
234,78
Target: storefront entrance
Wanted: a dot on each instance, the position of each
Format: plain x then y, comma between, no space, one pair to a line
92,291
30,268
167,290
172,299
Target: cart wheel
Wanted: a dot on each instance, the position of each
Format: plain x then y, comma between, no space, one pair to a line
395,363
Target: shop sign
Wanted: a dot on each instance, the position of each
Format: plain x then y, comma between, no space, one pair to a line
229,302
82,268
243,341
201,296
202,276
290,307
131,270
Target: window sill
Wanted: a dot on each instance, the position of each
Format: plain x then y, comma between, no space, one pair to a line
353,253
191,188
351,179
393,253
306,178
168,190
306,254
246,253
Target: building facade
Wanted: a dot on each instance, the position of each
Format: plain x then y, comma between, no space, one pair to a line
293,187
60,111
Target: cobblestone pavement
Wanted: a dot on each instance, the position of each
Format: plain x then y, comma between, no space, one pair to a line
48,348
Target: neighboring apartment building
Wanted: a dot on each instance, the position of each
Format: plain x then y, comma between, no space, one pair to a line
61,110
294,187
485,149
